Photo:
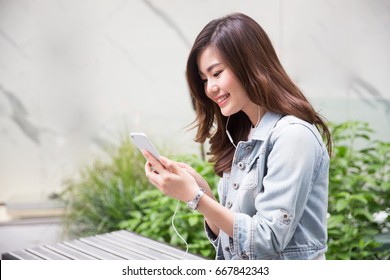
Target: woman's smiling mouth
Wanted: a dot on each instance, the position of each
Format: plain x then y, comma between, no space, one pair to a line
221,99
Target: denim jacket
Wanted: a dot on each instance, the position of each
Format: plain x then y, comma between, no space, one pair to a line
278,191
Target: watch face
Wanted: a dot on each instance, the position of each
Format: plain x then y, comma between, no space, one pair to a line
191,205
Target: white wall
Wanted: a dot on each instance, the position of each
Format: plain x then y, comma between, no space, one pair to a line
75,74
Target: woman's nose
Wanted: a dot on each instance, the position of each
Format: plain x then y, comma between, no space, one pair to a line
213,89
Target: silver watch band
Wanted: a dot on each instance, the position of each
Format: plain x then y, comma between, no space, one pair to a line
193,204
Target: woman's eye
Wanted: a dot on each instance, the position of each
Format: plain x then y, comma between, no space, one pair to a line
216,74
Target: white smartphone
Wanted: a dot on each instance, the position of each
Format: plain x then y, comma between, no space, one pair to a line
143,143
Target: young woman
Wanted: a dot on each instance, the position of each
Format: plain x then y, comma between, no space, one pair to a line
266,144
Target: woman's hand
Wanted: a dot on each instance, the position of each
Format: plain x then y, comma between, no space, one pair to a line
198,178
171,178
180,181
202,183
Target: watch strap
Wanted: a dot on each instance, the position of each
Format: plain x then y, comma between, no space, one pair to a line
193,204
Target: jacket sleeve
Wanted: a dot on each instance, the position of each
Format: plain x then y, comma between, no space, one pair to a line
291,167
214,239
210,235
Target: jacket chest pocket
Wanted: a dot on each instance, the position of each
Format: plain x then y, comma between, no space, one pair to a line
249,188
250,177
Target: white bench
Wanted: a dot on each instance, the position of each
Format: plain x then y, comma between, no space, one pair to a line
117,245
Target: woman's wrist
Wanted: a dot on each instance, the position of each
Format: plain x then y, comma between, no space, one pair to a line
193,203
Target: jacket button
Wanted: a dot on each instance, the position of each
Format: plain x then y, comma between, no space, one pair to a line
241,165
244,256
236,186
227,249
229,205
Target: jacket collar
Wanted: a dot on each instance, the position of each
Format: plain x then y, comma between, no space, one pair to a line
267,123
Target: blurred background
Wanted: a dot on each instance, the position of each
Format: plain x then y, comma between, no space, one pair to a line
76,75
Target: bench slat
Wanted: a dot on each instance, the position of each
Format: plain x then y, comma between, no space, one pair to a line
20,255
137,248
162,247
138,239
69,252
112,248
46,254
91,250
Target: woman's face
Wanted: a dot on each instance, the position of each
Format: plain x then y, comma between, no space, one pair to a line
223,87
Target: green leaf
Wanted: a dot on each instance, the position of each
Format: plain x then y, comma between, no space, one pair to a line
341,205
193,220
364,213
334,221
359,197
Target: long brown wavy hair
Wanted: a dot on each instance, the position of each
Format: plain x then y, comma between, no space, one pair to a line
246,49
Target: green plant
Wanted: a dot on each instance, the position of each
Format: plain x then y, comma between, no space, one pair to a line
104,192
359,189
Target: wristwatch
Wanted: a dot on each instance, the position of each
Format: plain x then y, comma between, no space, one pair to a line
193,204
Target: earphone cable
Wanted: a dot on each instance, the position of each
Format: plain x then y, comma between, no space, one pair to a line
228,134
178,234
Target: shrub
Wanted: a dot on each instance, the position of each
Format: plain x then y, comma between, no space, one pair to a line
103,194
359,190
